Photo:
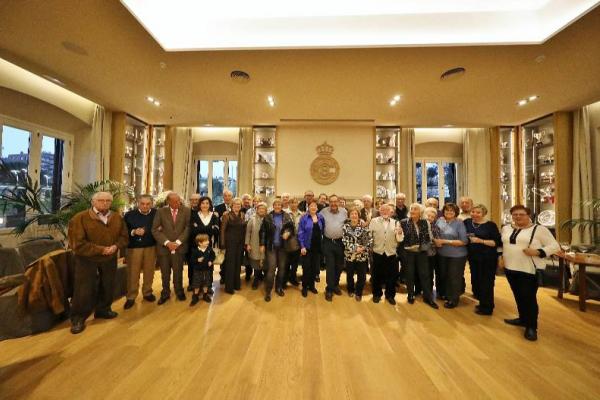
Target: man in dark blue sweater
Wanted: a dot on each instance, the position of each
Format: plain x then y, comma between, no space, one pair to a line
141,252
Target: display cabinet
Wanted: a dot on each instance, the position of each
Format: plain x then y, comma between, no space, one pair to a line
157,160
265,162
507,160
386,162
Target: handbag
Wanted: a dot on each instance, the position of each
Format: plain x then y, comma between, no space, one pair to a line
428,247
292,244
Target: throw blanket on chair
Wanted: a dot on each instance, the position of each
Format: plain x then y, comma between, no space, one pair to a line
43,288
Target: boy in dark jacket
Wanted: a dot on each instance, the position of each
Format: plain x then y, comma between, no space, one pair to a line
201,262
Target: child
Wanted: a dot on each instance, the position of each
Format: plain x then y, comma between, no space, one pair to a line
201,261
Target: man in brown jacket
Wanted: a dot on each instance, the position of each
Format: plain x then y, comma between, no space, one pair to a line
171,229
95,236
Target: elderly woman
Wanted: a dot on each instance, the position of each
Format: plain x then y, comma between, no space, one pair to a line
256,254
233,232
431,215
205,221
417,244
452,253
293,256
484,240
277,227
357,244
310,236
524,247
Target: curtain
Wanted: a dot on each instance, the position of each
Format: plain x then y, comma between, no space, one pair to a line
582,172
246,161
92,149
477,165
407,164
183,171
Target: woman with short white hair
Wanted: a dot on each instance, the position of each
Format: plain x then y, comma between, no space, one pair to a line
417,244
256,255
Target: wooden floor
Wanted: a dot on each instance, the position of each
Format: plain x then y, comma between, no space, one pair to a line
293,348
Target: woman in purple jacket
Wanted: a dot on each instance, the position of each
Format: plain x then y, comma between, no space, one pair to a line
310,235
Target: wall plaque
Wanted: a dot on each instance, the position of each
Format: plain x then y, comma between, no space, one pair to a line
324,169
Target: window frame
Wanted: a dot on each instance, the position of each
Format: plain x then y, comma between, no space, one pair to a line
441,176
37,132
210,159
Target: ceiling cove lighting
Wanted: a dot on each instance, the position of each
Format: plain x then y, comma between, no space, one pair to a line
183,25
529,99
271,101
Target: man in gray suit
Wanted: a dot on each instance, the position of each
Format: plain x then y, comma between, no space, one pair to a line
171,229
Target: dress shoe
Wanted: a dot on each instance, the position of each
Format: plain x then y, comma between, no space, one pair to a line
280,292
391,300
222,281
110,314
255,283
531,334
514,321
151,298
432,304
248,277
229,291
77,326
480,311
195,300
411,299
210,291
358,297
294,282
337,291
181,297
314,290
162,300
450,304
329,296
206,297
376,299
128,304
351,293
268,297
190,288
304,292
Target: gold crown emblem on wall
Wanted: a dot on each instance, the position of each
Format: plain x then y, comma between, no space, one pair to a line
325,149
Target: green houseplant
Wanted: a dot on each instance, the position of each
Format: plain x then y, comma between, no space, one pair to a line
21,193
591,225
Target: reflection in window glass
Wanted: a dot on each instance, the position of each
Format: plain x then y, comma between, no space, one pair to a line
14,152
432,180
449,182
218,184
418,177
51,165
203,177
232,177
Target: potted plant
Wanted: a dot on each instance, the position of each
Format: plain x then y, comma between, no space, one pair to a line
592,225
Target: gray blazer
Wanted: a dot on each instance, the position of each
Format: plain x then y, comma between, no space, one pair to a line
163,229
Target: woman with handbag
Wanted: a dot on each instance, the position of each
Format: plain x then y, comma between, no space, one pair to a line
205,221
256,254
357,242
293,244
417,245
310,236
276,228
524,247
484,240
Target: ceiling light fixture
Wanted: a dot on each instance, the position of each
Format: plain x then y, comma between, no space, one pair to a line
150,99
529,99
156,103
395,100
533,98
271,101
522,102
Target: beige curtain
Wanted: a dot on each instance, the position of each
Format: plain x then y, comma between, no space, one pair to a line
407,164
92,149
582,172
183,171
245,162
476,166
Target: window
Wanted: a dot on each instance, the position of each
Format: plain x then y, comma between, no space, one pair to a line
439,179
51,168
203,177
15,155
215,175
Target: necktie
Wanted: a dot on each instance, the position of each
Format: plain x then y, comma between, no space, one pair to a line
174,214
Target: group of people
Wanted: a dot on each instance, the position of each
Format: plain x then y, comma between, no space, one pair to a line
417,245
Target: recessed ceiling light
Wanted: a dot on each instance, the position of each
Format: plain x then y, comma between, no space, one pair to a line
156,103
397,98
453,73
271,101
150,99
540,59
239,76
533,98
522,102
393,103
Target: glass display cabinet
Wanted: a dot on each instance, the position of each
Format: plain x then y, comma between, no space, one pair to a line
265,162
386,162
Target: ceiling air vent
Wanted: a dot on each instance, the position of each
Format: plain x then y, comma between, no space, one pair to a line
453,73
240,76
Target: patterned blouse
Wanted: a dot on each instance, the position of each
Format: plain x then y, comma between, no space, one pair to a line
415,235
354,236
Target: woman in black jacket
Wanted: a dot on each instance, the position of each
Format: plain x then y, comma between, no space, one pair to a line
276,229
203,221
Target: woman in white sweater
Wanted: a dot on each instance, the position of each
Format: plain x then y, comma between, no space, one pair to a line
524,247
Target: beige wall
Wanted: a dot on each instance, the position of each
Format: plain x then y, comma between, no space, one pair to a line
439,150
353,150
215,148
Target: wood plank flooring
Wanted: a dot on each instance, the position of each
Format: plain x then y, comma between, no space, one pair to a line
240,347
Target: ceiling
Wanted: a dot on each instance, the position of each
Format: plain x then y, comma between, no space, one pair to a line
179,25
99,50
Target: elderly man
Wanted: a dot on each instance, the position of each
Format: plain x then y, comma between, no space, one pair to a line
434,203
285,201
195,201
387,233
333,248
401,211
95,235
171,229
309,195
368,212
247,206
141,252
322,202
225,205
466,204
246,202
